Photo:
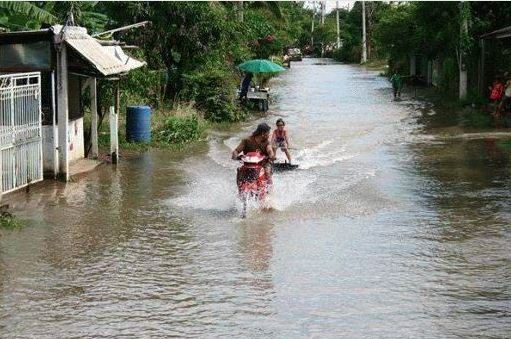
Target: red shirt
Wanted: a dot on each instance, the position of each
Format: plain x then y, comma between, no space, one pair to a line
497,91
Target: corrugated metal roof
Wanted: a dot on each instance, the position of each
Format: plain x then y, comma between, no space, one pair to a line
499,34
107,60
103,58
127,60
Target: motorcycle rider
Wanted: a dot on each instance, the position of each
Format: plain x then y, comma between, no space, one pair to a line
259,141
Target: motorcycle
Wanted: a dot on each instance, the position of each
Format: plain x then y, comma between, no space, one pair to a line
251,179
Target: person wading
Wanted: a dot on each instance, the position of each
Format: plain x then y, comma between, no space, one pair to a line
397,84
245,84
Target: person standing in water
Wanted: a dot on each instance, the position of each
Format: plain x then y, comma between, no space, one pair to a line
397,83
245,84
280,139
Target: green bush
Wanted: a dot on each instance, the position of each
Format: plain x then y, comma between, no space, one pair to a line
337,54
214,92
448,77
9,221
143,86
177,130
474,98
478,119
349,53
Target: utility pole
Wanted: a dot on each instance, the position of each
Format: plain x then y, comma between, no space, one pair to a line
312,28
462,51
323,8
239,7
364,41
322,5
338,24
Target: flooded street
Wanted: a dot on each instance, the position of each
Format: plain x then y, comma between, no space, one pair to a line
389,229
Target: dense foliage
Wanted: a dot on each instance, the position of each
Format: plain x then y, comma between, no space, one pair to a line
199,45
192,48
433,32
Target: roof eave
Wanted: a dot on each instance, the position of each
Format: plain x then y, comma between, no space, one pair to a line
498,34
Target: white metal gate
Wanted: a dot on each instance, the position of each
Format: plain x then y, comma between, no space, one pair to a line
20,130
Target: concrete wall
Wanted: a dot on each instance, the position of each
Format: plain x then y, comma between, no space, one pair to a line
76,144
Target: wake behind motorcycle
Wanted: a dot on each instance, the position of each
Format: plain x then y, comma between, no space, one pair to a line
251,180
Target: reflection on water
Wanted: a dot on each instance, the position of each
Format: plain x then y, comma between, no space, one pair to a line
395,225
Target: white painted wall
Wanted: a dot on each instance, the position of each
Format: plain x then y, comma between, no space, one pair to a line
75,139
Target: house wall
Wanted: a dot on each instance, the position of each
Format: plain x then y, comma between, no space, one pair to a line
76,143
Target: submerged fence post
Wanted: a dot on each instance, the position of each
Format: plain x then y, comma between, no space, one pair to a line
114,141
94,119
63,113
55,130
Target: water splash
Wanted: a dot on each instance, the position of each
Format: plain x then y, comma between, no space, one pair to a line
290,189
321,155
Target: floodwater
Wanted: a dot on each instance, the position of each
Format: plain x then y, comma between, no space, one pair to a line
396,225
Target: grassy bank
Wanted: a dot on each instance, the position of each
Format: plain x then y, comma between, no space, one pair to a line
473,112
171,128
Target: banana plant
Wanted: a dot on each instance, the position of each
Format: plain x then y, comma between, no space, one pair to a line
84,13
21,15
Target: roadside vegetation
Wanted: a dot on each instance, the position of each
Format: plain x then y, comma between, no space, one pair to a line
8,220
192,48
442,36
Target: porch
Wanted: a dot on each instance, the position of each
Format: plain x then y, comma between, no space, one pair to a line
67,63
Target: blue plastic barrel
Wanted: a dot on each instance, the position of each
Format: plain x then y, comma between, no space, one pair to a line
138,123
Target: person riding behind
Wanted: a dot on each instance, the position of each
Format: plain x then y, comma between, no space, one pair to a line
258,142
280,139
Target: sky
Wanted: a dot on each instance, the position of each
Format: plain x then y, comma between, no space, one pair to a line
330,5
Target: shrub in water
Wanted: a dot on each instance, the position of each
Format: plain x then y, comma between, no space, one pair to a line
214,93
179,130
7,220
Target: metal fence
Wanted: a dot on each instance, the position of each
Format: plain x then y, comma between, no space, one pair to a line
20,130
